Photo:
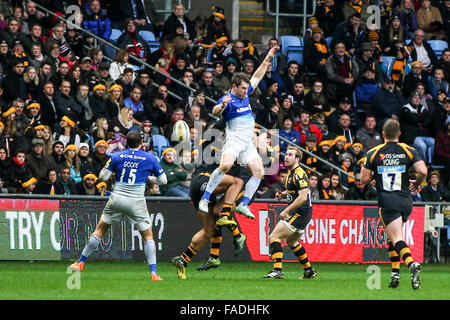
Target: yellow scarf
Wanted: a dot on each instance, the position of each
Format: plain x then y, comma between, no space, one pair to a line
357,7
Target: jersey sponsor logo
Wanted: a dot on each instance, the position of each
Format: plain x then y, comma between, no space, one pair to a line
132,156
391,169
391,159
243,109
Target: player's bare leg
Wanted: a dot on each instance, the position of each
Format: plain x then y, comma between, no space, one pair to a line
394,231
256,167
92,244
226,162
231,186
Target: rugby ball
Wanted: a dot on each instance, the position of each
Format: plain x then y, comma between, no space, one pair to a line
181,132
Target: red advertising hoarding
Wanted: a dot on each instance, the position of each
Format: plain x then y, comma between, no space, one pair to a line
336,233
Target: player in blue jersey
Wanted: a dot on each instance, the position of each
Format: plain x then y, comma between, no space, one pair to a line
132,167
240,124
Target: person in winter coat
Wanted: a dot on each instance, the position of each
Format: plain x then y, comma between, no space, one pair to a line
49,185
366,87
434,191
96,21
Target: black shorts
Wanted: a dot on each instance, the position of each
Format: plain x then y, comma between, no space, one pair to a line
198,187
300,218
393,206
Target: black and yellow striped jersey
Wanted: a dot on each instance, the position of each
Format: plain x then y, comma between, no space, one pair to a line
391,162
297,180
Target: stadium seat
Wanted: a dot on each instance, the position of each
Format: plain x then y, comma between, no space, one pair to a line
329,40
386,66
149,37
115,34
160,143
438,46
291,42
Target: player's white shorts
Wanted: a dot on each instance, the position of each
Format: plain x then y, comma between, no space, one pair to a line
134,210
243,151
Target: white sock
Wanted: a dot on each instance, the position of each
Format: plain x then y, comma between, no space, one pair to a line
250,188
150,254
214,181
90,246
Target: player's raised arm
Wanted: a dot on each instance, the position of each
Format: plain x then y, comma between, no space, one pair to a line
262,69
218,109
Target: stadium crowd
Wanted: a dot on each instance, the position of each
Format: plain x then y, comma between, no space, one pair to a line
68,100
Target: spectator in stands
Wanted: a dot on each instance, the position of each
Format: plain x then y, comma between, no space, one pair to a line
87,186
120,63
324,151
306,128
27,185
19,169
395,36
316,53
355,6
12,33
417,75
361,191
421,51
66,104
298,95
5,59
73,162
99,156
102,75
159,113
366,60
177,114
268,118
291,75
180,66
408,16
270,192
57,155
58,38
387,102
313,184
134,102
279,62
221,81
366,87
329,16
231,66
270,96
178,15
350,33
442,151
49,186
336,188
61,74
216,26
188,80
286,108
438,82
37,161
315,99
342,70
175,176
289,133
13,85
434,191
131,41
96,21
18,53
345,106
444,61
325,192
271,75
239,54
32,84
126,81
36,36
311,160
441,114
416,122
387,13
65,182
145,83
346,163
430,21
66,132
123,123
207,85
45,71
344,127
5,167
368,135
98,103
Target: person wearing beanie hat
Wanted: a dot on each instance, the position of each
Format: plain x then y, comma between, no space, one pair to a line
289,133
355,7
416,76
38,162
87,185
316,53
28,185
216,27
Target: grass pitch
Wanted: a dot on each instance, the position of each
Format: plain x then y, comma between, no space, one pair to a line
37,280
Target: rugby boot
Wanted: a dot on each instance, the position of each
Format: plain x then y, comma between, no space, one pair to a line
77,266
274,274
210,263
239,244
155,277
181,269
203,205
395,280
309,274
225,221
415,269
245,210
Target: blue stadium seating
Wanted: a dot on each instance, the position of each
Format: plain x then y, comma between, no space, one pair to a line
160,143
438,46
115,34
292,47
329,40
149,37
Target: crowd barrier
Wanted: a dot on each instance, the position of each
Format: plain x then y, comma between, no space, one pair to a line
57,228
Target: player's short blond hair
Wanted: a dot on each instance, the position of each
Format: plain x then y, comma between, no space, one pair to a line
298,152
391,129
